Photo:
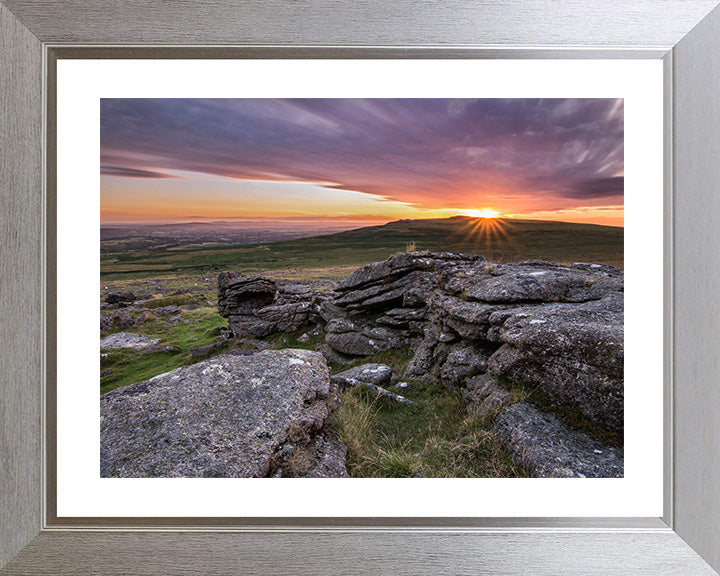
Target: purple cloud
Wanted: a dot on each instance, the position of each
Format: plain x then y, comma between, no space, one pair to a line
432,152
132,172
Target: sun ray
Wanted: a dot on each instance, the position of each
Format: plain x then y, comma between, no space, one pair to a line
490,235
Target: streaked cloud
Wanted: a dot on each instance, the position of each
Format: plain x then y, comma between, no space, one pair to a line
514,155
106,170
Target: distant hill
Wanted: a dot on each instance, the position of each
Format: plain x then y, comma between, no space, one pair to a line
501,238
497,239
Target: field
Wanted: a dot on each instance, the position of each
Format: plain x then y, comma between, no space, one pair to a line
496,239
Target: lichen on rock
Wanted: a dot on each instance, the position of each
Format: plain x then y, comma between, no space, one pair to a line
224,417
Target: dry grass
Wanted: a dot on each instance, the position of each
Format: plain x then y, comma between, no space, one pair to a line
300,461
435,439
297,433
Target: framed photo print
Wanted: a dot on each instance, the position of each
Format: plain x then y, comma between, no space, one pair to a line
442,289
456,263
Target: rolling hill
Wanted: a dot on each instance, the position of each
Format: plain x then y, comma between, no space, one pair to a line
497,239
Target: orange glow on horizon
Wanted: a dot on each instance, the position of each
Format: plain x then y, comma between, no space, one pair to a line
125,200
486,218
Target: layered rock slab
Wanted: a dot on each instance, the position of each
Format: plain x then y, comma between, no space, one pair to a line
361,338
257,307
549,448
224,417
394,291
573,352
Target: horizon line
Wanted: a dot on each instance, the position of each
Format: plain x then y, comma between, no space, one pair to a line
328,219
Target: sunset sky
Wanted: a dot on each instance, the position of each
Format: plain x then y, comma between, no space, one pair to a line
165,160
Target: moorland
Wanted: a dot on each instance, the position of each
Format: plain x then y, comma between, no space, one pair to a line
140,253
173,283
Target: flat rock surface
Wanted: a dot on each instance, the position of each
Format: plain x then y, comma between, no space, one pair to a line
127,340
378,374
548,448
223,417
535,281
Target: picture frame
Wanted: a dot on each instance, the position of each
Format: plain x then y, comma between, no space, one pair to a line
683,33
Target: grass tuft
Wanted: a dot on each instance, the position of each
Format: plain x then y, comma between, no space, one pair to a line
434,439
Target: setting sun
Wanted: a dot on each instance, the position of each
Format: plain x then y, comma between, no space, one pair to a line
329,159
484,213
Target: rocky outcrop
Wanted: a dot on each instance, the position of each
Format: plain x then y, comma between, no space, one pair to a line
256,415
477,326
573,352
394,294
559,328
238,294
258,307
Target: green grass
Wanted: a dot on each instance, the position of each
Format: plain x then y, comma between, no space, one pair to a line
436,438
176,300
290,339
397,359
129,366
500,240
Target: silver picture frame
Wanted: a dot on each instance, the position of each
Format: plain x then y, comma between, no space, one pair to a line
685,34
